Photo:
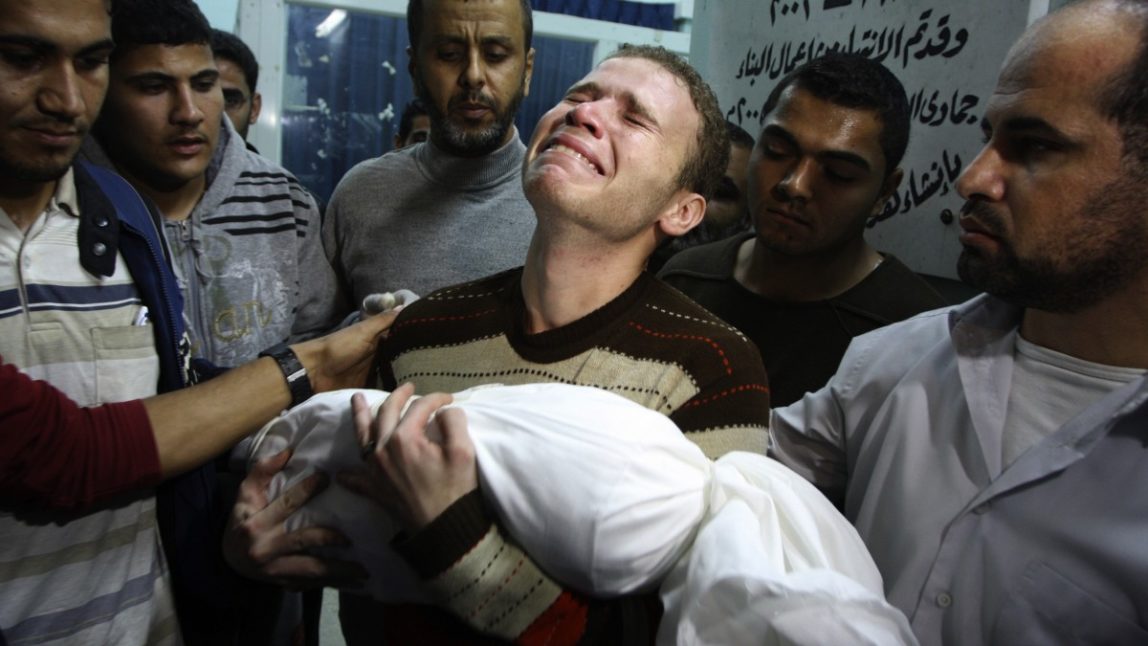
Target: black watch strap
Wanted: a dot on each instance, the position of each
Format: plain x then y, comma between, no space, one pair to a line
293,371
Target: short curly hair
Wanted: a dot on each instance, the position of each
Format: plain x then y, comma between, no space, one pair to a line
157,22
854,81
703,169
230,47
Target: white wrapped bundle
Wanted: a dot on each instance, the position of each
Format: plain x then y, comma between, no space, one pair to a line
607,497
620,474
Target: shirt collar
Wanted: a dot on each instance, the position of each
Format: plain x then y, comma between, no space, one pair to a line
65,198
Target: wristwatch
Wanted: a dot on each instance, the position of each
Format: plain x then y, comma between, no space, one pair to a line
293,371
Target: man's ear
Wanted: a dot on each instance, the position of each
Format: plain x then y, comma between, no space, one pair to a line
256,107
890,186
528,72
684,212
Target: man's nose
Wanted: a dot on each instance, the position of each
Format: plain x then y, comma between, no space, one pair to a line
186,108
982,177
798,182
585,115
60,94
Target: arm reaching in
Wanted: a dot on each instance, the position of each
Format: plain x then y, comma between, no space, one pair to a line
241,400
55,453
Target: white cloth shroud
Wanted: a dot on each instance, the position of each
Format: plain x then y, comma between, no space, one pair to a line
610,498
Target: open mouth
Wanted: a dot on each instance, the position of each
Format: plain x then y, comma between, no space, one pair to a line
188,145
557,147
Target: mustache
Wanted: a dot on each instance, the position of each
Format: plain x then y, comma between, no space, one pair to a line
54,123
480,99
191,134
984,215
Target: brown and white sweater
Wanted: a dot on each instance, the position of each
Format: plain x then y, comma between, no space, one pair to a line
651,345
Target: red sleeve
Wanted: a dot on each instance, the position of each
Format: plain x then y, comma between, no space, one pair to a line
54,453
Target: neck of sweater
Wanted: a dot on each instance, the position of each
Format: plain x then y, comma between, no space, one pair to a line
473,173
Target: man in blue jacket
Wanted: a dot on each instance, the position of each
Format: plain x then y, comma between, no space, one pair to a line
88,303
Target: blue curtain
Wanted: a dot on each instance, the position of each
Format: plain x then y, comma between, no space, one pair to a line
345,91
655,16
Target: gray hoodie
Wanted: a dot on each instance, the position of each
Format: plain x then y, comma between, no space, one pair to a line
249,259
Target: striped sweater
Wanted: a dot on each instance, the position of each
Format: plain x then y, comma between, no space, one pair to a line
651,345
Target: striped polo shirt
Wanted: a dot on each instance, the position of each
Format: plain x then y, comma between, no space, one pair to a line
97,576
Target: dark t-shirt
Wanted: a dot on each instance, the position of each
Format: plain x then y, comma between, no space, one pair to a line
800,343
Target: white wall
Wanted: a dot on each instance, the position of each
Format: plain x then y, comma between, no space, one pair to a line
220,13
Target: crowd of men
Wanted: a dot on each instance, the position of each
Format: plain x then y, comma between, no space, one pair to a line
986,452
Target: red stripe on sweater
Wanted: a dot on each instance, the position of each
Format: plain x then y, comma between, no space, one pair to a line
726,393
691,337
564,622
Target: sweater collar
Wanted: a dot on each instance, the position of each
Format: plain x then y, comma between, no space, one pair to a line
226,164
473,173
596,328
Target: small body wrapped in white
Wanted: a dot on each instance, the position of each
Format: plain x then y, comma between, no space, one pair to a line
610,498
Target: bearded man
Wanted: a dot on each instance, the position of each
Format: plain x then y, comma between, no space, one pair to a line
450,210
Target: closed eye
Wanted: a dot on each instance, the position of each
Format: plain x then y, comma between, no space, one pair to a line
21,58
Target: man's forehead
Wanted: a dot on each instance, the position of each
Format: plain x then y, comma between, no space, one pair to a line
187,59
824,124
1075,49
647,87
231,74
60,23
484,19
629,73
1054,76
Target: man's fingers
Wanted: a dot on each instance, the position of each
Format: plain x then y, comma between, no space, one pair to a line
293,498
253,490
364,485
377,323
390,412
411,430
355,481
299,571
361,413
263,470
308,538
455,437
382,321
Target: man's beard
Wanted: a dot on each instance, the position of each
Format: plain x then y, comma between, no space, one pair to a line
1106,254
463,142
47,171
